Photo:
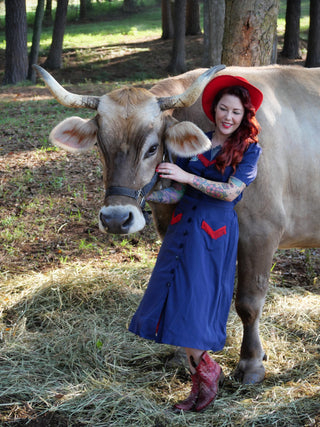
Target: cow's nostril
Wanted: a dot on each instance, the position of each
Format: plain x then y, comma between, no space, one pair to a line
103,220
128,222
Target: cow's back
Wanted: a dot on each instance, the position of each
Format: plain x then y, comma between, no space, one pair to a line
286,193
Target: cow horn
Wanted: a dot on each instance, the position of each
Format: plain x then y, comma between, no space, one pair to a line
190,96
63,96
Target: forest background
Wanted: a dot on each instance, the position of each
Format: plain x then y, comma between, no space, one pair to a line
233,35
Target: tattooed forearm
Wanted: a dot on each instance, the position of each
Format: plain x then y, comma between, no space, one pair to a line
220,190
167,195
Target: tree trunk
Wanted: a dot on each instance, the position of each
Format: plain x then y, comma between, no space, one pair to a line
34,53
54,60
313,55
249,32
177,63
292,32
83,9
129,6
85,5
213,23
16,55
193,18
167,22
48,13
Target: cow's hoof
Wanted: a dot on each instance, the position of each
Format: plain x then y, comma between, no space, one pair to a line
249,375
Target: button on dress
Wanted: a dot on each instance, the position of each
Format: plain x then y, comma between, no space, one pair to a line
189,294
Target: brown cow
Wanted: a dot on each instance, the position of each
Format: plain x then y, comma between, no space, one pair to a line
280,209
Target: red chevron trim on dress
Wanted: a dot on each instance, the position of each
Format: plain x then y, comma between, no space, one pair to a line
175,218
205,161
214,234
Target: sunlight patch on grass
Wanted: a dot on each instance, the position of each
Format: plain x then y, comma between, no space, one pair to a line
146,24
105,37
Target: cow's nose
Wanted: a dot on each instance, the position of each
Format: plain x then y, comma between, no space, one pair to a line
117,223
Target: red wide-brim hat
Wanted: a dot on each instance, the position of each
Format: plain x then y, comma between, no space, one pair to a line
220,82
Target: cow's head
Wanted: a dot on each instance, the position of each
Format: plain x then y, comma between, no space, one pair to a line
133,130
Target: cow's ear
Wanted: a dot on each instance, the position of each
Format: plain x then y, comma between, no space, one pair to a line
74,134
185,139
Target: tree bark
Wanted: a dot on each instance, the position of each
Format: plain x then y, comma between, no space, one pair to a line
48,13
83,9
177,63
85,5
34,53
54,59
213,23
129,6
193,18
292,32
313,55
250,31
167,22
16,55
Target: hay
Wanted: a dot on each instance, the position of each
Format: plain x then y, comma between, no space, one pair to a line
65,350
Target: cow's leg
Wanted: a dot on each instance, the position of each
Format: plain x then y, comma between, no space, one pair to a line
254,264
162,214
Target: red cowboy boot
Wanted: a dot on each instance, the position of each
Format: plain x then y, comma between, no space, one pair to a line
189,402
210,377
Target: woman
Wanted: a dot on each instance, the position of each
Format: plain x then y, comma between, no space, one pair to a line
188,298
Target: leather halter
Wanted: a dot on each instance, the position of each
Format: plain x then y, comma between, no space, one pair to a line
139,195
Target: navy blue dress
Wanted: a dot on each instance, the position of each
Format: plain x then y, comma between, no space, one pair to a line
188,298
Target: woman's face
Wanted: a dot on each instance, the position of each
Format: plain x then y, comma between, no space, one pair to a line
228,115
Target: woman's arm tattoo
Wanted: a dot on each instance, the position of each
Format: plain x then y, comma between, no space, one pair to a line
220,190
167,195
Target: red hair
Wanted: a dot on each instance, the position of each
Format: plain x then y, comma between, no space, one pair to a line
247,133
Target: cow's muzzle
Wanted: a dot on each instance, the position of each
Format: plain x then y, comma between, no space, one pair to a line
118,222
124,219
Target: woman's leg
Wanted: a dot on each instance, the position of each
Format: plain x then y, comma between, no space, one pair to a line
193,356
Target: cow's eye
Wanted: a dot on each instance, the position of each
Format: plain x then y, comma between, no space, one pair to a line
152,150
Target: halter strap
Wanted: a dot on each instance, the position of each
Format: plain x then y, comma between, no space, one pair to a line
138,195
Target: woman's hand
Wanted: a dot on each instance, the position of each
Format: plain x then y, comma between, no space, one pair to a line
172,171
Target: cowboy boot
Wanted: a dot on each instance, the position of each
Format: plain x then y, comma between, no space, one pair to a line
210,377
189,402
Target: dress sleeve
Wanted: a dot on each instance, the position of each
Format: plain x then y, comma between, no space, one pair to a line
247,169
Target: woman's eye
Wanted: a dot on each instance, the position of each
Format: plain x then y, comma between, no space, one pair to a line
152,150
